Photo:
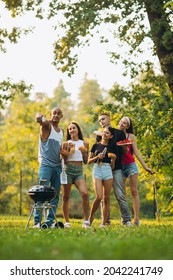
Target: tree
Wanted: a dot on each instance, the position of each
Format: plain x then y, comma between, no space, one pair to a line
60,94
162,36
9,90
89,92
19,151
61,98
128,20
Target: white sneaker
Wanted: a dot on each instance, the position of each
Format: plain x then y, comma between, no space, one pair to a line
67,225
128,224
36,225
86,224
102,226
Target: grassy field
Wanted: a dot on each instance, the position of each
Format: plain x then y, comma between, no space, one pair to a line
151,241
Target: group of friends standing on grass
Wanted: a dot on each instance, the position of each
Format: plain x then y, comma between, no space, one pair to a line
112,165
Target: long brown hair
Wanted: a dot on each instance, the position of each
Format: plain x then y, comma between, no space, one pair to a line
130,128
80,135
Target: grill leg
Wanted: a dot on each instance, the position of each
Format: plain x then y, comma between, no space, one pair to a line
32,210
43,208
51,209
44,212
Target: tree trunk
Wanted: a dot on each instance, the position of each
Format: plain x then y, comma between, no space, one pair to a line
162,37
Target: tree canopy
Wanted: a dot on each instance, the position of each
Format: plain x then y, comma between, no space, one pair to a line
133,23
128,20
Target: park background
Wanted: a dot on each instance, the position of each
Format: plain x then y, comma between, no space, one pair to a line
145,95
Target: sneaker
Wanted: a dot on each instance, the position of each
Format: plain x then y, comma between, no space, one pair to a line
67,225
137,224
36,225
86,224
102,226
128,224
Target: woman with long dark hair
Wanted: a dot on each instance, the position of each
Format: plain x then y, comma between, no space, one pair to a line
103,157
75,153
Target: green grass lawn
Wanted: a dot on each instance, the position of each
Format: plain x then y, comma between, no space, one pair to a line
151,241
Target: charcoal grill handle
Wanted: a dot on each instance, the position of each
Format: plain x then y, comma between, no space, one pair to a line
43,182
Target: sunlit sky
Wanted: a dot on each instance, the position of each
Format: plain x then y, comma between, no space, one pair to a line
31,59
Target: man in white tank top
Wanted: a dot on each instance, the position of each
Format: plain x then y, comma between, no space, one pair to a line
50,139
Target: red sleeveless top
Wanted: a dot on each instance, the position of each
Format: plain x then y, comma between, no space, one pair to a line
128,158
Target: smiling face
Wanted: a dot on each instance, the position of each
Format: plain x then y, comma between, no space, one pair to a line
73,130
106,135
123,124
56,115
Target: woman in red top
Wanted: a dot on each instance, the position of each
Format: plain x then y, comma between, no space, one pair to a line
130,169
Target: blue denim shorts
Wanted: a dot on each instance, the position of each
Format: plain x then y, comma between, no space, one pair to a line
74,173
129,169
102,171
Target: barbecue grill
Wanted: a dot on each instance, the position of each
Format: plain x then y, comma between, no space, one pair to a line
42,195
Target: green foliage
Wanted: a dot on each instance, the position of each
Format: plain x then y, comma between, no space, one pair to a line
148,101
8,90
151,241
168,4
61,98
18,7
19,138
15,8
128,20
90,91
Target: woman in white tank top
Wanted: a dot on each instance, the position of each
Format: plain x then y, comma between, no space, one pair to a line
75,153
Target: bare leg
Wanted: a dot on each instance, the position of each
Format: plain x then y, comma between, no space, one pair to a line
106,199
133,181
99,195
66,189
82,188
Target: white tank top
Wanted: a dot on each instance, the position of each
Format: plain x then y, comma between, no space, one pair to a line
49,151
77,156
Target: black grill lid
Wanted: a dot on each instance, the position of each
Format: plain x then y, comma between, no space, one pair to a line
41,193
